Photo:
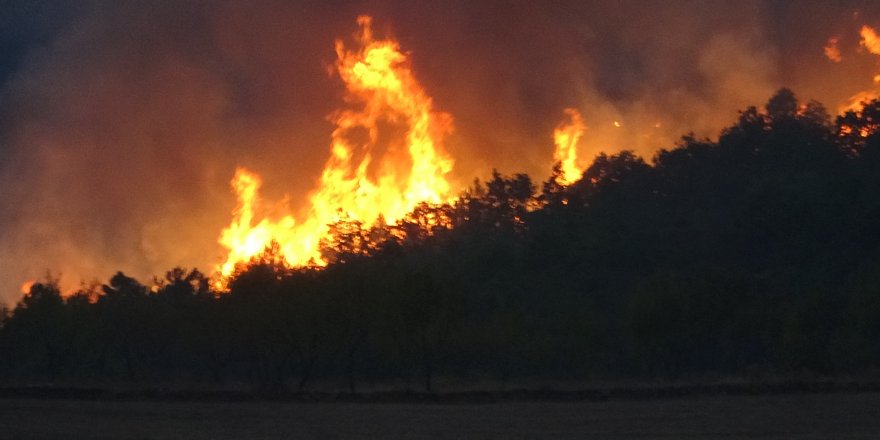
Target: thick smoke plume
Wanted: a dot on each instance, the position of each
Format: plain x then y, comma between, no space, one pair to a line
121,123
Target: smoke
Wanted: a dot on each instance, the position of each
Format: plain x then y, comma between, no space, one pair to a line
121,123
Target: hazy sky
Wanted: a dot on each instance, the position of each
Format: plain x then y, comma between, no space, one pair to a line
121,123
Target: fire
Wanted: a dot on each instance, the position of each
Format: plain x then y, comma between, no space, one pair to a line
359,181
243,238
870,41
27,285
566,137
856,102
832,50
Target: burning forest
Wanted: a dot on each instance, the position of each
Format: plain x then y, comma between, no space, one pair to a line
411,170
647,205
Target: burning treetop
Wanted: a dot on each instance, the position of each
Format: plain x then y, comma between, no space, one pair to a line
359,182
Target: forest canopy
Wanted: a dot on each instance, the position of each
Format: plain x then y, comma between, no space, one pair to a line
756,254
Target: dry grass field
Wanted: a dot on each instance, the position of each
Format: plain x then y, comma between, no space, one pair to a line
793,416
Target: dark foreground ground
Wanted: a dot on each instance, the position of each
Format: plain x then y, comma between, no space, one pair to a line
790,416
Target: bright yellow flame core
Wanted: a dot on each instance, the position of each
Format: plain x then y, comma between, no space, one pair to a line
378,79
566,136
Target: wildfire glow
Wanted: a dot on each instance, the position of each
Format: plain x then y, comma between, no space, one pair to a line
367,177
856,102
243,238
26,286
870,41
832,51
566,137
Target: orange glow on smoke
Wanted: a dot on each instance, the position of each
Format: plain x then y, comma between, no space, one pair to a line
869,41
386,157
856,102
566,137
832,50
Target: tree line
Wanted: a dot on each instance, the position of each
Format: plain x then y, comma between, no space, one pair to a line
754,255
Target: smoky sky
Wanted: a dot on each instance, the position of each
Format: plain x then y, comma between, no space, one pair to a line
121,123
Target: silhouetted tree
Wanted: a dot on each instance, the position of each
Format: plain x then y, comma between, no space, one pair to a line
125,322
262,275
552,191
41,323
179,283
783,105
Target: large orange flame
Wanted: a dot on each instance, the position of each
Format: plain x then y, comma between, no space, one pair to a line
361,182
243,238
566,136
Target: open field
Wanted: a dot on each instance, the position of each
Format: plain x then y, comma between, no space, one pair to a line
792,416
